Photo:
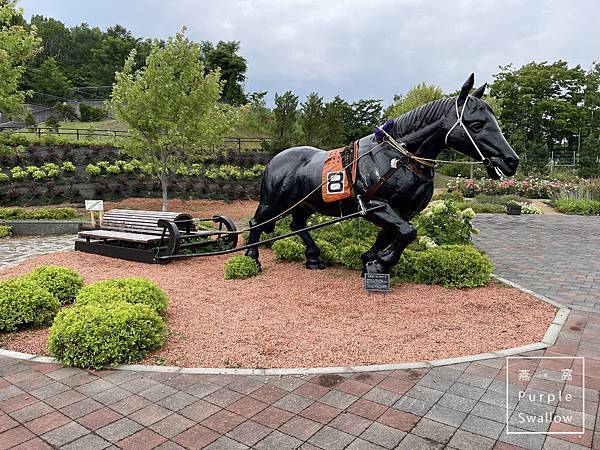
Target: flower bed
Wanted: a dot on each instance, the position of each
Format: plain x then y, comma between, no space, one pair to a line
529,187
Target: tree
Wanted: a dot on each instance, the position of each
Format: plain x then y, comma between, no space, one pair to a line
589,156
311,119
256,118
233,68
48,78
17,46
337,116
416,96
284,123
170,105
366,115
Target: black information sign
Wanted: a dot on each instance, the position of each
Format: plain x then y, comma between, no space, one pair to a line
377,282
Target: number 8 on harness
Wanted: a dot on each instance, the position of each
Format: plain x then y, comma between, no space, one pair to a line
339,172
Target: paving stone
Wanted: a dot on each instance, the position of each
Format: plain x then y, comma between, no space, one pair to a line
398,419
350,423
483,427
87,442
434,431
338,399
150,414
223,397
247,407
434,382
331,439
249,432
300,427
172,425
99,418
31,412
225,443
320,412
272,417
456,402
414,442
130,404
223,421
489,411
360,444
278,440
49,390
47,422
64,434
413,405
198,436
382,396
445,415
119,430
95,387
81,408
464,390
382,435
157,392
293,403
529,441
199,411
111,396
425,393
468,441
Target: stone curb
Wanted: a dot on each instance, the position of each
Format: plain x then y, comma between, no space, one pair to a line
548,340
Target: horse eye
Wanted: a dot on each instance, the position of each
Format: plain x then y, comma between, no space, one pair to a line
477,126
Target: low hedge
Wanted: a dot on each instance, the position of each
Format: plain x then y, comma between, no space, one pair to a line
62,282
238,267
23,302
453,266
289,249
5,231
37,214
97,335
577,206
129,290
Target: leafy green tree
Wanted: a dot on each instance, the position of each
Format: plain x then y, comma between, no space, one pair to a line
541,102
233,68
48,78
589,156
416,96
65,111
17,46
107,58
256,118
170,106
311,119
284,122
337,115
366,114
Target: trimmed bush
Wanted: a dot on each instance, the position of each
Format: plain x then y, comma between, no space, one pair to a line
405,269
350,255
23,303
97,335
62,282
130,290
289,249
37,214
238,267
453,266
577,206
5,231
329,252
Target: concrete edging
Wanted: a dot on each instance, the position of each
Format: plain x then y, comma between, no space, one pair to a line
548,340
43,227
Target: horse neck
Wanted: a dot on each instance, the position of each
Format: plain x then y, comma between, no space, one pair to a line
426,142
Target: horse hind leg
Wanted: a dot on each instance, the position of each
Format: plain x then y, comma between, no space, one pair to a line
313,253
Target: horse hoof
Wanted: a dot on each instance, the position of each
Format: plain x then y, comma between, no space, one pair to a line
315,264
374,267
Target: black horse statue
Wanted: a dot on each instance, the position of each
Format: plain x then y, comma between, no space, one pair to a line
464,123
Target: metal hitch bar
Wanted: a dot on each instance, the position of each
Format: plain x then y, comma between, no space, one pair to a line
273,239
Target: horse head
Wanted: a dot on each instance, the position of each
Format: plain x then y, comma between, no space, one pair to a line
473,130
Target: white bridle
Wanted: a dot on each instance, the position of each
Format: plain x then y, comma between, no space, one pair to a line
459,122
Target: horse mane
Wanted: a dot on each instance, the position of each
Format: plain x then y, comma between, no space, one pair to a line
422,116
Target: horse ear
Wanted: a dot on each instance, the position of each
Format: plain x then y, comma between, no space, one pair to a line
466,88
478,93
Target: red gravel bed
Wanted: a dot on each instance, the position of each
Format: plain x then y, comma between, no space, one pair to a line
292,317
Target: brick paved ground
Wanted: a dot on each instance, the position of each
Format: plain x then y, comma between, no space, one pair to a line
461,406
554,255
14,250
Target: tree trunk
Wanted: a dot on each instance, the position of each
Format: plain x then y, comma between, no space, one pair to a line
163,180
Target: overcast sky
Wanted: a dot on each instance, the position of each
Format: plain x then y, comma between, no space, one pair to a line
360,48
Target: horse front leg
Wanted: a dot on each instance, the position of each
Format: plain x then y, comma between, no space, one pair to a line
384,240
313,253
401,231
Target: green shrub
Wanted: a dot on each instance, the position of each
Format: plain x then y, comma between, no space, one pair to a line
350,255
577,206
238,267
62,282
3,177
88,113
93,169
329,252
289,249
130,290
37,214
97,335
23,302
5,231
453,266
405,269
